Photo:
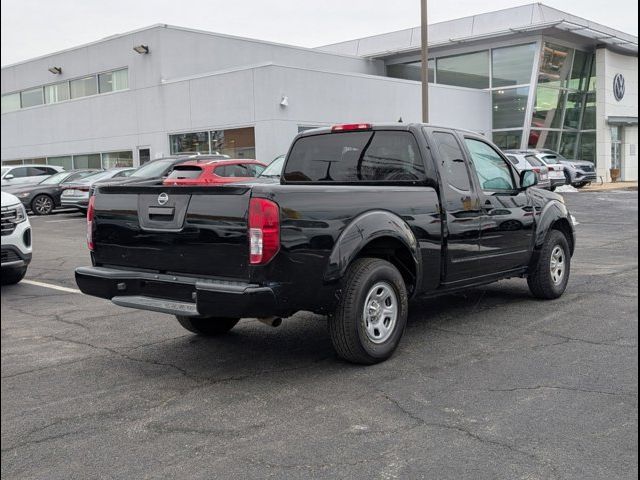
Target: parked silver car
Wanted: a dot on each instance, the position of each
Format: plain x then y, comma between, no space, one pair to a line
578,173
27,174
530,162
556,169
76,194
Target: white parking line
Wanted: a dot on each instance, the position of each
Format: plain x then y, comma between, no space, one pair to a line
51,286
65,220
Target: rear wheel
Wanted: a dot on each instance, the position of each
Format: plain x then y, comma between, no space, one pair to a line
582,184
11,276
42,204
549,278
371,316
207,326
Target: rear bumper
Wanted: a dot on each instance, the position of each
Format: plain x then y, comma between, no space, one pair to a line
177,295
81,203
556,182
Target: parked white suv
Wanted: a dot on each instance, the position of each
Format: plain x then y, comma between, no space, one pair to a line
26,174
16,240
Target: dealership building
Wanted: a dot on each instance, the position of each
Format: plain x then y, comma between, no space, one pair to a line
528,76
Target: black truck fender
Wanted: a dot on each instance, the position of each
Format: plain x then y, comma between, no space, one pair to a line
376,227
554,216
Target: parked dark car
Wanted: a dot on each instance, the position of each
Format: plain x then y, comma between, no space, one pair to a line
76,194
157,169
578,173
364,219
43,197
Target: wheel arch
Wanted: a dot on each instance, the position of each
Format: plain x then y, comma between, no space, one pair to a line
377,234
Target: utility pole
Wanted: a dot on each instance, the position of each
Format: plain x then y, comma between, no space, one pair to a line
425,61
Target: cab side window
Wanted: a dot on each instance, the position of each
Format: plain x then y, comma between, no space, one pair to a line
494,174
20,172
452,159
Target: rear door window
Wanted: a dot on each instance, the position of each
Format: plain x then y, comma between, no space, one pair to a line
352,157
533,161
452,161
36,171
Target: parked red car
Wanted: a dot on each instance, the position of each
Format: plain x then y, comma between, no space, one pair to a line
214,172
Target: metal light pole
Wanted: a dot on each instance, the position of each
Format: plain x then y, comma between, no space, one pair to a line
425,61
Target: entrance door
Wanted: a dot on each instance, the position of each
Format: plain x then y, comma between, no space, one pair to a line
617,150
144,154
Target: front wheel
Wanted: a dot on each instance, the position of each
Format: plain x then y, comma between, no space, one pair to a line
548,279
371,315
42,205
208,327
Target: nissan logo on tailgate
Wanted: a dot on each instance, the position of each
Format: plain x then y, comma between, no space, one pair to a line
163,198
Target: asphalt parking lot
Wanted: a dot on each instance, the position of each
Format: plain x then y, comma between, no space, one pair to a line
486,384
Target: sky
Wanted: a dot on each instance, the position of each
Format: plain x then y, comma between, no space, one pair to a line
31,28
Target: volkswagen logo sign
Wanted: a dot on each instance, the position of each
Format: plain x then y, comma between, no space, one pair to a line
163,198
618,86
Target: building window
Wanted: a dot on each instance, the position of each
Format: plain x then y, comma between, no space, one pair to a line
512,65
83,87
235,142
555,65
197,142
587,147
31,98
544,139
113,81
411,70
509,140
58,92
469,70
581,71
589,114
548,108
65,162
12,162
568,144
117,159
10,102
87,161
509,107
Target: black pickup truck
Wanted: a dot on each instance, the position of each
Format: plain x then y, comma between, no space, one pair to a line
364,219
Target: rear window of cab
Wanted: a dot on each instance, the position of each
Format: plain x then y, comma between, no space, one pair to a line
354,157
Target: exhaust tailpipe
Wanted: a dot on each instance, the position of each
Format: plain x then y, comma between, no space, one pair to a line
271,321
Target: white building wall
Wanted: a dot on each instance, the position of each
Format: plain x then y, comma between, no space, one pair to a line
608,64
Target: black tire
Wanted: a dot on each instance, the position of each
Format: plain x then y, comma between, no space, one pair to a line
11,276
581,184
209,327
348,326
541,279
553,188
567,177
42,204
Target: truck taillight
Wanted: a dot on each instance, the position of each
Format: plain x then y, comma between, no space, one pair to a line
90,215
264,230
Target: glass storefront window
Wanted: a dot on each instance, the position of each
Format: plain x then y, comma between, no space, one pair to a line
31,98
509,140
573,110
113,81
509,106
83,87
57,92
189,142
65,162
587,147
10,102
411,71
512,65
87,161
235,142
580,73
117,159
568,144
555,64
469,70
589,115
544,139
548,108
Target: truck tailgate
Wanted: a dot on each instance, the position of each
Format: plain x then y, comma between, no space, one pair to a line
199,231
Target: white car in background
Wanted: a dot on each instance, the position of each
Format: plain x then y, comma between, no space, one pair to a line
27,174
16,240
